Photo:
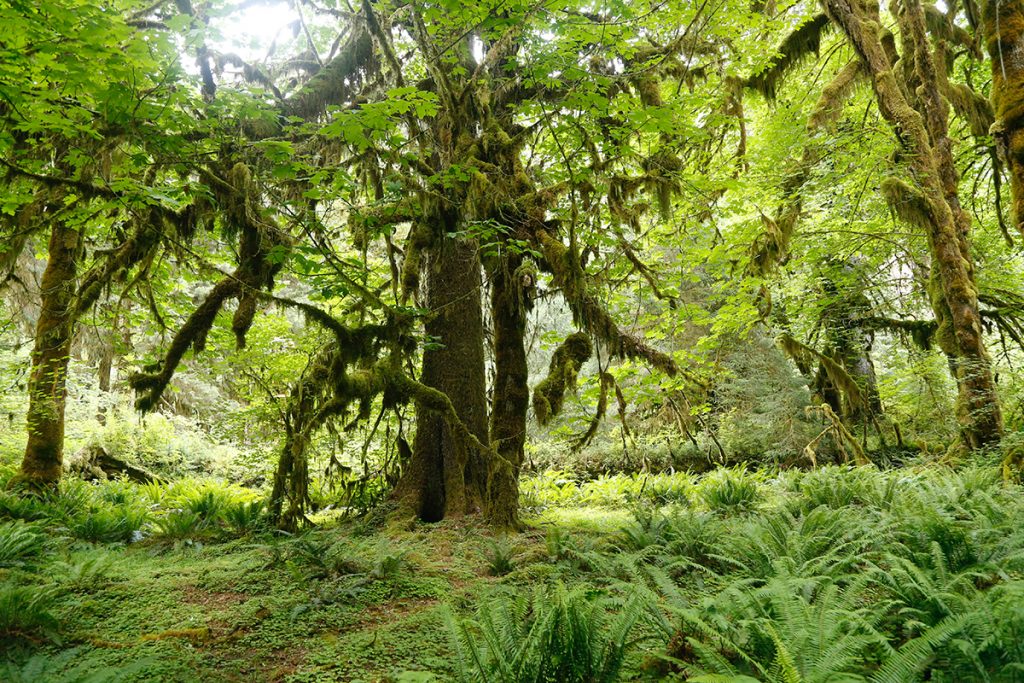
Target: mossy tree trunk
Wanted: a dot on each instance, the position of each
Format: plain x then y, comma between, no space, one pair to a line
510,398
47,391
918,115
446,477
1002,26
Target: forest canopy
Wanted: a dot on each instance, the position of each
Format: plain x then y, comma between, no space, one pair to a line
300,268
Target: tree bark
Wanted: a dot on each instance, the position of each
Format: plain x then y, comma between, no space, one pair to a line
446,478
510,398
924,136
47,391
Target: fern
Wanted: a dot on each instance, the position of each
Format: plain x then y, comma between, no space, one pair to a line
906,664
65,667
557,635
102,524
86,575
26,611
25,507
245,517
19,544
180,524
730,490
500,556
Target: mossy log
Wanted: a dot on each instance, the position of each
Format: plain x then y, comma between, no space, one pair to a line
93,462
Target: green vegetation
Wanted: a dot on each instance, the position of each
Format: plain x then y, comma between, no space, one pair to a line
914,574
512,341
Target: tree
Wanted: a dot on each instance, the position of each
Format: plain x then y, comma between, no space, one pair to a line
1001,25
914,93
455,121
79,155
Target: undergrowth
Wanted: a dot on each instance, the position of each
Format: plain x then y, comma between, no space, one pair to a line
838,574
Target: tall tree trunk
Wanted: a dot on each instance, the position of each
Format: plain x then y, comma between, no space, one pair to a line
445,477
511,394
47,392
1002,26
932,200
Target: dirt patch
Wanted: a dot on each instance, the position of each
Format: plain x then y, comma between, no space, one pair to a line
193,595
390,612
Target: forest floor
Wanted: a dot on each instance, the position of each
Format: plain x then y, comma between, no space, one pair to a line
348,603
240,611
901,575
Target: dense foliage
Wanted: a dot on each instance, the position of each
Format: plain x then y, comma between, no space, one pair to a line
615,340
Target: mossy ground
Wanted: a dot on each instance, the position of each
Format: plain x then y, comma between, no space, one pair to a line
360,601
239,610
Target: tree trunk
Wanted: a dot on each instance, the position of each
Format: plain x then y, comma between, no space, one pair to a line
47,392
924,135
445,478
1002,26
105,373
511,394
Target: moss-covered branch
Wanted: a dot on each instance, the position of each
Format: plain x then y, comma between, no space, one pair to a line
805,355
563,370
588,312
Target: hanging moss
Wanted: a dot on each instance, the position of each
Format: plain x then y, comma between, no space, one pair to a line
648,88
972,108
796,48
339,79
907,202
834,95
660,179
584,440
920,332
420,239
140,246
152,383
771,246
563,370
841,436
243,318
587,311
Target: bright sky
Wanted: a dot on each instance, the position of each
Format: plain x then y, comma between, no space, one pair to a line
249,32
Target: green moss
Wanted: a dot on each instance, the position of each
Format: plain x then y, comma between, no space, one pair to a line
565,365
